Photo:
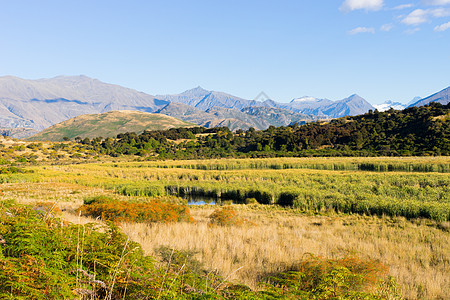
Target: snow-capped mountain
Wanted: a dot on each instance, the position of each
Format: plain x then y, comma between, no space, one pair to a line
388,104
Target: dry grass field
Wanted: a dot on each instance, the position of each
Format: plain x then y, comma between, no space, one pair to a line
416,251
275,238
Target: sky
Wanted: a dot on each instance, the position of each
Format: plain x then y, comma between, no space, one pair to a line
379,49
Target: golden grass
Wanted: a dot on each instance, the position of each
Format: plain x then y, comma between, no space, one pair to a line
417,255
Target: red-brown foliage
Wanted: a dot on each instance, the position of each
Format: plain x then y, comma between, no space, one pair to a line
146,212
227,216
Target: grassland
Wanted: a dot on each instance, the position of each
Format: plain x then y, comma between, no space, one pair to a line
392,210
107,125
321,185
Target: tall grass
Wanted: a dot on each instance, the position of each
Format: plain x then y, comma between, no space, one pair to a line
392,193
374,164
416,254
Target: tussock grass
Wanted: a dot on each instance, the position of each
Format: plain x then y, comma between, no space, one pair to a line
415,249
417,255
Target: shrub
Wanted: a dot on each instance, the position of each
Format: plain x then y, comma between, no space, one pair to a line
347,278
123,211
227,216
13,170
54,260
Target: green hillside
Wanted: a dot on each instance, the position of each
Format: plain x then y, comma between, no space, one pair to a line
414,131
108,125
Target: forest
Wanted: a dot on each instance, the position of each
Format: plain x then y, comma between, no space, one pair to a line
415,131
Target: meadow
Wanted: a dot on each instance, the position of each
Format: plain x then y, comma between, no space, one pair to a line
394,211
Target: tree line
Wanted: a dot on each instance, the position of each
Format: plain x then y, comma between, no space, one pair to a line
413,131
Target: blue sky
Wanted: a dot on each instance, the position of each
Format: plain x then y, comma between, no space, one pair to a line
380,49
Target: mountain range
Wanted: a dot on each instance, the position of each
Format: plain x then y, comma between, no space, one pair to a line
39,104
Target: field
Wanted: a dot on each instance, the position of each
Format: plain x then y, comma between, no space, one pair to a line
395,211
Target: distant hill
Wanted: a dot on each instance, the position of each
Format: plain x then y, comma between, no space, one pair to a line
41,103
108,125
257,117
279,117
442,97
17,133
203,99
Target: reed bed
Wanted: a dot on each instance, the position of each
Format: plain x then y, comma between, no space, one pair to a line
377,164
276,238
392,193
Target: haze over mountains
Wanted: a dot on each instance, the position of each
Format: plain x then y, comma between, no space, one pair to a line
39,104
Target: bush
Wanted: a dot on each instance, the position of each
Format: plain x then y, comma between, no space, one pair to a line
347,278
146,212
227,216
45,258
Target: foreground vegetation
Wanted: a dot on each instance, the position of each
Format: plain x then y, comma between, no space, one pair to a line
313,228
43,257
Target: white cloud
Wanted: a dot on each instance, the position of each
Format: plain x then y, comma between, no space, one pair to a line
442,27
367,5
386,27
416,17
436,2
412,31
439,12
419,16
361,30
403,6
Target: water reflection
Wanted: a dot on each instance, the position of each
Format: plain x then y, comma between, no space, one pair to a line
197,200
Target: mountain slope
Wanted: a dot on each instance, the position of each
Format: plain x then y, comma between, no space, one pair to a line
351,106
307,105
442,97
279,117
41,103
18,133
214,117
204,100
108,125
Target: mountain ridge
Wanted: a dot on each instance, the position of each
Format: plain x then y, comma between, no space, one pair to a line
41,103
442,97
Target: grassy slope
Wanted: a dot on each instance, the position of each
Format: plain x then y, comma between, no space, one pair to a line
108,125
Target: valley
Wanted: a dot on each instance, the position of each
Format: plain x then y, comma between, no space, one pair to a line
337,208
337,213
